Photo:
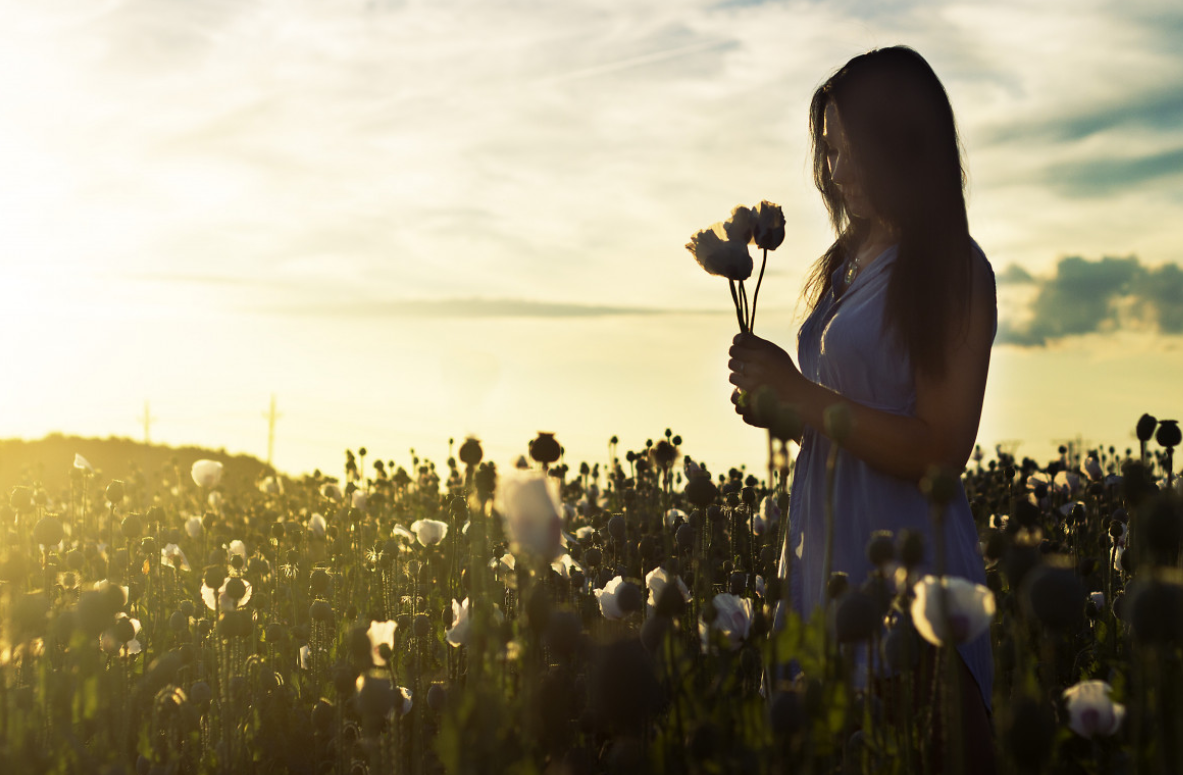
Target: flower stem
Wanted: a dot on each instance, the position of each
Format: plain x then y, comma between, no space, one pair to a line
756,295
738,309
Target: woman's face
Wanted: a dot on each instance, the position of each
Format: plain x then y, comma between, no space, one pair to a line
842,168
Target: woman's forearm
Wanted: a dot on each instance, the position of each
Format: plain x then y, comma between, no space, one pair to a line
895,444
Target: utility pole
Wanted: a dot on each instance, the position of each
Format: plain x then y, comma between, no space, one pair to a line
147,419
271,416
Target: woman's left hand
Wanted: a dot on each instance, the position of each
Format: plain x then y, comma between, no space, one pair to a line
755,362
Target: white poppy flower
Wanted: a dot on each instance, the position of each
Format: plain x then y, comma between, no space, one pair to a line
271,486
457,634
359,500
1091,711
770,509
316,523
733,618
402,532
1091,468
429,531
172,556
609,606
585,532
970,610
305,657
565,565
720,254
1067,482
331,491
82,464
405,708
529,505
656,580
206,473
237,548
193,527
379,633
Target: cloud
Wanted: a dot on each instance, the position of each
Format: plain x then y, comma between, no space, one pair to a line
1085,297
1014,275
480,308
1107,176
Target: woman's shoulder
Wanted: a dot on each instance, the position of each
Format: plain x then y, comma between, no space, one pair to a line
984,286
981,265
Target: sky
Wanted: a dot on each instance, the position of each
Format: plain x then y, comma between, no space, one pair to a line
414,221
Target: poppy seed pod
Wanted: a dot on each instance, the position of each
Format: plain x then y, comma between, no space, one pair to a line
1055,596
1145,427
786,424
856,617
911,548
48,531
235,624
213,576
1161,533
664,454
545,449
320,611
21,499
940,485
1168,434
837,585
629,598
114,492
236,589
616,527
881,548
132,525
701,491
421,626
1155,611
470,452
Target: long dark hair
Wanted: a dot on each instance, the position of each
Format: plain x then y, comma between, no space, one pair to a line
901,134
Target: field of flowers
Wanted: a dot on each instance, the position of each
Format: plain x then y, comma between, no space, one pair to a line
618,617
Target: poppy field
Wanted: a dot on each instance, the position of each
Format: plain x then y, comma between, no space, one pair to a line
554,616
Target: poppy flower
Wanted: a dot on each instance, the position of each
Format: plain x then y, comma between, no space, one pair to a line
1091,711
970,610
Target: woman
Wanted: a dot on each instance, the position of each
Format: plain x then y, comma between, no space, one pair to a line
902,316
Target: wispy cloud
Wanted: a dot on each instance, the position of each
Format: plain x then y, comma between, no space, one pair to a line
478,308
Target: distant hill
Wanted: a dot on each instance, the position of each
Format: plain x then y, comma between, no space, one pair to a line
49,461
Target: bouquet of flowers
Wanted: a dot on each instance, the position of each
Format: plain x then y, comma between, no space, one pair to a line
722,249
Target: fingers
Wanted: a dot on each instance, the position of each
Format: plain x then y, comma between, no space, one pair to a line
745,368
743,381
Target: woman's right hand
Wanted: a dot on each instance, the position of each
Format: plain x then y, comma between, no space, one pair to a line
742,400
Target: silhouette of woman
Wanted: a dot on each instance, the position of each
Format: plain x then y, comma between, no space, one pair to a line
902,315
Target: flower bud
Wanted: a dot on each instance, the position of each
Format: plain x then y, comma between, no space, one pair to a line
1145,427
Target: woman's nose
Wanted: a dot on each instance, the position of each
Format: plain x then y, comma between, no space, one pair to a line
840,170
